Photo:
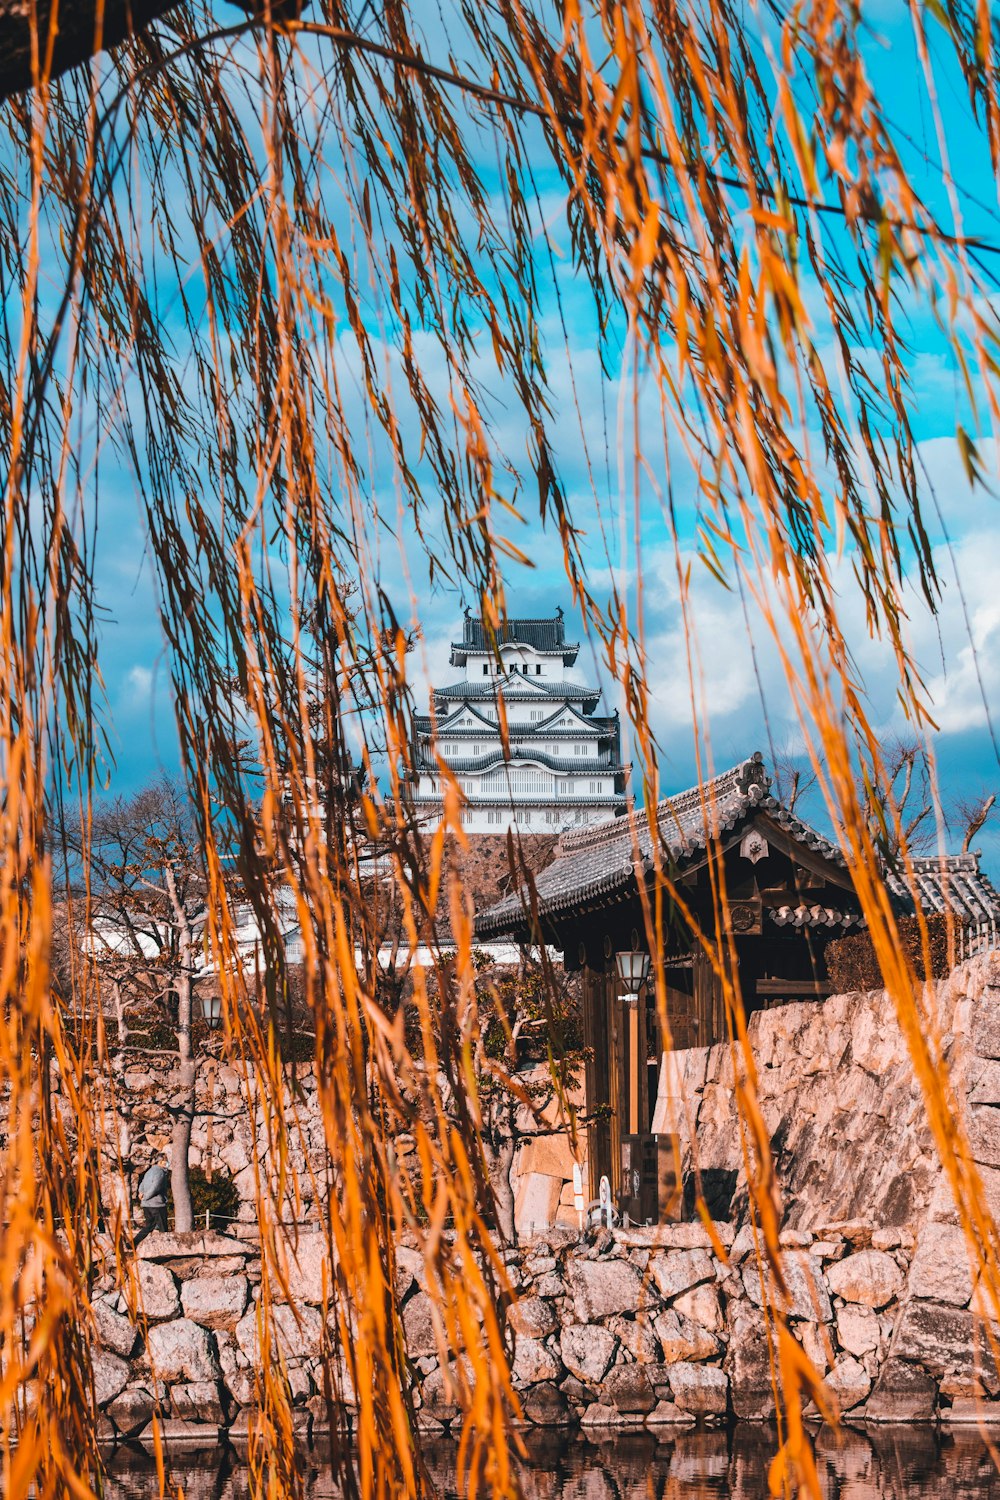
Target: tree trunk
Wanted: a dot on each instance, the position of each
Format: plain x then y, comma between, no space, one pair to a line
180,1147
499,1160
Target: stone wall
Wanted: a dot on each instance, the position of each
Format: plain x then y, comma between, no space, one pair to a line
651,1327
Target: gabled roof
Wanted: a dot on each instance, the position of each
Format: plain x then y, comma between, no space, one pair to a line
545,635
946,883
518,687
579,768
598,860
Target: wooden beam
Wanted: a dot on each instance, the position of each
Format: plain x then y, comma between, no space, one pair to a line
816,989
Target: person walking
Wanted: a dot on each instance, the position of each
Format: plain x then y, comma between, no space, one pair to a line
153,1199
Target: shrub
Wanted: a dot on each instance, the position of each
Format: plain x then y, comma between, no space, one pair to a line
852,965
215,1195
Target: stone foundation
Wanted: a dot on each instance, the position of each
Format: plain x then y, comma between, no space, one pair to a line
652,1327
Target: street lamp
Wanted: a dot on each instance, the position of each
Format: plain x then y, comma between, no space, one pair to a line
211,1009
633,968
633,971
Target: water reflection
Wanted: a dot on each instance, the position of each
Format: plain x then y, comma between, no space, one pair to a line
904,1463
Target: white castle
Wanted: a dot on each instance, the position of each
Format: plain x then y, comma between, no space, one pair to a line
564,765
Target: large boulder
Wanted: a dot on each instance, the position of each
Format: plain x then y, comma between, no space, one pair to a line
940,1270
115,1332
950,1344
749,1364
111,1376
702,1390
807,1288
418,1326
297,1332
871,1278
628,1388
534,1317
533,1362
903,1393
848,1382
158,1296
682,1339
197,1401
215,1301
587,1352
182,1350
600,1288
676,1271
132,1410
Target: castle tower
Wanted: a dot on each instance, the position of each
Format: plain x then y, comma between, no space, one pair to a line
564,767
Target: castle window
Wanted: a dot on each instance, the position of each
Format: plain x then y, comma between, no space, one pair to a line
486,669
538,669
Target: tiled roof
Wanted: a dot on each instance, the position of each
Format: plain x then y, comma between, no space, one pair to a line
607,799
946,883
597,727
600,859
542,635
517,687
579,766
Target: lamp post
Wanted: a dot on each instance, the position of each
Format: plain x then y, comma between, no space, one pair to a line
633,970
211,1009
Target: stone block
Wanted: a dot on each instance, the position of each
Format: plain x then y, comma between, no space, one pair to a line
680,1338
807,1287
115,1332
637,1336
903,1393
700,1389
599,1415
533,1362
182,1350
537,1203
419,1326
158,1295
701,1305
848,1382
669,1414
870,1277
748,1363
197,1401
111,1376
986,1027
940,1268
132,1410
199,1243
984,1134
215,1301
546,1406
600,1288
676,1271
296,1331
628,1388
309,1269
552,1155
857,1330
533,1316
949,1343
587,1352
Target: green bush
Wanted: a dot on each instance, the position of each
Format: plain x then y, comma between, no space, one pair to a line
215,1195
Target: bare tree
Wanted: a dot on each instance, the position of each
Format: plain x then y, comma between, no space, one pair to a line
792,774
897,799
972,813
146,931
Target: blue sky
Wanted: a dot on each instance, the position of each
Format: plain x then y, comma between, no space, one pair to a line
745,692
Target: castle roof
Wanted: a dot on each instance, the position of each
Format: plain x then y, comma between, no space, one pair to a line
519,687
946,883
547,636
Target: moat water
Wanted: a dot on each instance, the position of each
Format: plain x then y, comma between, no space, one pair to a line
902,1463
